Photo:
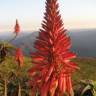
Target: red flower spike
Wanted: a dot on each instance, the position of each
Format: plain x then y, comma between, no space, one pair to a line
52,55
19,57
17,27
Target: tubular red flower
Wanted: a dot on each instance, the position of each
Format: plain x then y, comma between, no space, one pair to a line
60,82
64,85
49,73
53,86
45,89
69,88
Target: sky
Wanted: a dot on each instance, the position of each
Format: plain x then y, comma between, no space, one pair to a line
76,14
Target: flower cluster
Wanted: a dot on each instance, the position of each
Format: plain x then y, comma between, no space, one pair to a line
19,57
52,59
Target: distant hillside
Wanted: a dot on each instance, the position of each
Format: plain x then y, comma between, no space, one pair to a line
26,42
83,41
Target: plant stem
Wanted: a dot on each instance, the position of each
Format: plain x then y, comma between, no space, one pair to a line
5,87
19,90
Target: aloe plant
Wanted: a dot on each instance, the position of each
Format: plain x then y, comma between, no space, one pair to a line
86,88
94,88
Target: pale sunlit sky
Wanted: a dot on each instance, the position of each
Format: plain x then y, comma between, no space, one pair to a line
75,13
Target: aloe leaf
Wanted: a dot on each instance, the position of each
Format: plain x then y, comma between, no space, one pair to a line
85,89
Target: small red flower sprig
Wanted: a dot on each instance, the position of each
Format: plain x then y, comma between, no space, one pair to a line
17,28
19,57
16,31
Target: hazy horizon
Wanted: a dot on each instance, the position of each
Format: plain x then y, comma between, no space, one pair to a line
76,14
10,33
83,41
